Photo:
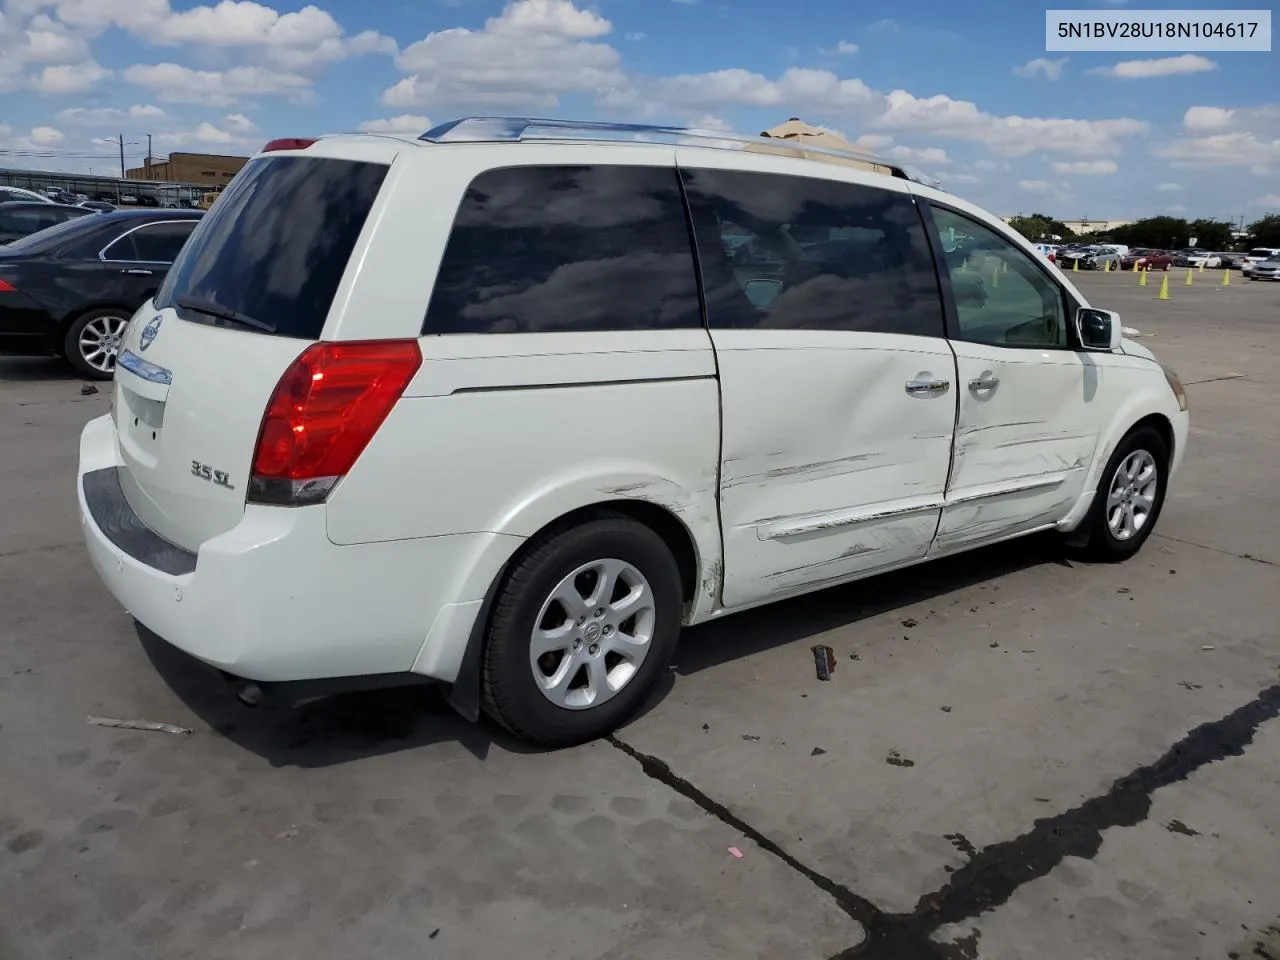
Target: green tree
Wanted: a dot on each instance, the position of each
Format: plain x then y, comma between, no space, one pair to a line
1165,233
1039,226
1211,234
1265,231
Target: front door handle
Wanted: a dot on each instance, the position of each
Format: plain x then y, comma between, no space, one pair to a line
137,272
922,387
986,381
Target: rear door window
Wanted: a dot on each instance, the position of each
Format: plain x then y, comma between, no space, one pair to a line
796,253
567,248
160,242
274,247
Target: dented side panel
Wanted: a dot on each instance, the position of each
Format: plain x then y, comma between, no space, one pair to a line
830,467
1023,447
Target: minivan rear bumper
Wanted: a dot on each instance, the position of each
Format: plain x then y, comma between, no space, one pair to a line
273,599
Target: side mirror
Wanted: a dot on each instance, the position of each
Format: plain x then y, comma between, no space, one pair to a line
1098,329
762,292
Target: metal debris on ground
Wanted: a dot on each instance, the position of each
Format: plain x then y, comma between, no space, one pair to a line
909,622
824,659
150,725
87,389
750,738
817,752
898,760
1207,646
946,709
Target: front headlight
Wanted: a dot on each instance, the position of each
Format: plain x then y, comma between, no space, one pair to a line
1175,384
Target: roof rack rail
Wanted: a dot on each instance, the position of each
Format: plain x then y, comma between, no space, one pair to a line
518,129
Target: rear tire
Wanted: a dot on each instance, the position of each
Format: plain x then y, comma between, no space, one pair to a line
582,629
92,342
1129,497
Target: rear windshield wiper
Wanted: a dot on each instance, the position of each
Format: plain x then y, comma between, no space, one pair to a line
222,313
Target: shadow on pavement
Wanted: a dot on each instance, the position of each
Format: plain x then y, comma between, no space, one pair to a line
24,369
792,620
326,732
353,726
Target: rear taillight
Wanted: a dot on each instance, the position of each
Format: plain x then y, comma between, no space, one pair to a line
7,287
323,413
288,143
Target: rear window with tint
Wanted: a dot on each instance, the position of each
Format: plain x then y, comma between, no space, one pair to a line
567,249
275,245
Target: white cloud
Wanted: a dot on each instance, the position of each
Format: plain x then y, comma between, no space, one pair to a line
1050,69
1240,137
239,123
1169,187
844,47
821,89
1207,118
98,116
46,136
178,84
1270,200
987,165
709,121
404,123
1037,186
927,155
526,56
1013,136
70,77
1160,67
1088,168
962,178
1241,148
636,35
887,25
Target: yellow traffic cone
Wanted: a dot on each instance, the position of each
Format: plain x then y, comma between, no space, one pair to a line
1164,288
1106,267
1135,266
1202,266
1142,280
1075,265
1189,272
1226,276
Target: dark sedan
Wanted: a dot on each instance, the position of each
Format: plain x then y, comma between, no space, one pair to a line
21,218
70,290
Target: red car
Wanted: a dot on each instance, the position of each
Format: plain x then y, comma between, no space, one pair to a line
1146,260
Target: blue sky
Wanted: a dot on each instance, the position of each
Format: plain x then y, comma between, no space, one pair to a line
963,91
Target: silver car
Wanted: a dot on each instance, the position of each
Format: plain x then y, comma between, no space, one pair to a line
1268,269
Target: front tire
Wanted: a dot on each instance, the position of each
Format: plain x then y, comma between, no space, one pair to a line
93,341
1129,497
582,628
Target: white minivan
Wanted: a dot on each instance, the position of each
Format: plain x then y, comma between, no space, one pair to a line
507,405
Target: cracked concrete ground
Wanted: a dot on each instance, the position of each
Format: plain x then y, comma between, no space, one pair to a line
1053,760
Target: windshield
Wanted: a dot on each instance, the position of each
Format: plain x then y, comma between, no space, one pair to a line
270,253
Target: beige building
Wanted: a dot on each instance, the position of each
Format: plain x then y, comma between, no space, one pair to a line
207,168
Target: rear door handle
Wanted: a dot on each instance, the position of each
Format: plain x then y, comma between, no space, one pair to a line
927,387
987,381
137,272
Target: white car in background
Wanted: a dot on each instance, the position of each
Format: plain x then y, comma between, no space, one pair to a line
18,194
1049,251
507,405
1256,255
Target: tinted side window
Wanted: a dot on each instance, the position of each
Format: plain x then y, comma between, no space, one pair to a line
160,242
1002,296
276,244
124,247
546,249
793,253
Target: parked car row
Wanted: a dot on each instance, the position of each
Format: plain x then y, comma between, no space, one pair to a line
69,288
